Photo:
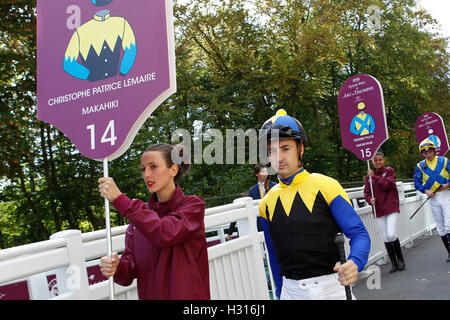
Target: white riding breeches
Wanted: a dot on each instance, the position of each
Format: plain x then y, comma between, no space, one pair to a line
388,226
440,208
318,288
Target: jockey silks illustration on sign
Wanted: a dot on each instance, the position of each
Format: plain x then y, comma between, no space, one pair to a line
103,67
362,116
98,43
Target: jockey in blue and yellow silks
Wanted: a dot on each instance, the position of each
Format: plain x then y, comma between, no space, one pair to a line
98,43
304,212
432,177
362,124
431,174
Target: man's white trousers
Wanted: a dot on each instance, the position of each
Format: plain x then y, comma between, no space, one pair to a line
318,288
440,208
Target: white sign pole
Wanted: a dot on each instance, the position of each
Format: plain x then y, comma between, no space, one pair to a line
108,231
371,189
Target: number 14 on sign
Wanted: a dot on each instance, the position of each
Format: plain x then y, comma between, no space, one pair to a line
108,135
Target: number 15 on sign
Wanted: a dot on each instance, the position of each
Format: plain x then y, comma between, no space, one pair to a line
366,153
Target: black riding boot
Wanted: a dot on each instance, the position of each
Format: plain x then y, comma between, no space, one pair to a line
398,253
445,240
390,250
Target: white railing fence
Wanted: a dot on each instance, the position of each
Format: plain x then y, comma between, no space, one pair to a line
236,267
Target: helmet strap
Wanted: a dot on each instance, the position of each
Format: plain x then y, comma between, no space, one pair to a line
299,153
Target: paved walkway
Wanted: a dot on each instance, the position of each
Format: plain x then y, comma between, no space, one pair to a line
426,277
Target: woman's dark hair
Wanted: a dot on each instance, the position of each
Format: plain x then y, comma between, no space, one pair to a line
379,153
176,154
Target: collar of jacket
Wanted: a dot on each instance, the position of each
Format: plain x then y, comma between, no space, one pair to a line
298,178
432,163
166,206
380,171
102,15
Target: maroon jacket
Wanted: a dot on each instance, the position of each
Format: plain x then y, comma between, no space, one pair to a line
384,191
165,247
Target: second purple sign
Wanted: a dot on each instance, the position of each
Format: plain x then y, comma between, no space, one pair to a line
362,116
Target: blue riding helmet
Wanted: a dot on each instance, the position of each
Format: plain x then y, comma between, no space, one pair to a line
287,127
426,145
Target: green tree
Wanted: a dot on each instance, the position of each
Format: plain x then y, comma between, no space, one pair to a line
237,63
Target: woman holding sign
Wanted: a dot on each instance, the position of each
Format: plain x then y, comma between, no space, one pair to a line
387,209
165,244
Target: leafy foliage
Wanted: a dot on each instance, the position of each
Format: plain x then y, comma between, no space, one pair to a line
237,63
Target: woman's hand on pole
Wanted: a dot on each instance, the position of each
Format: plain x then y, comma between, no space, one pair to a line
370,172
108,265
108,189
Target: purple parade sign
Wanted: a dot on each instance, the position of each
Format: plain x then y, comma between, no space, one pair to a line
362,116
430,125
103,67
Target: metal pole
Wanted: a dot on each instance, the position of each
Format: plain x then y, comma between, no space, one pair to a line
371,190
428,198
339,240
108,231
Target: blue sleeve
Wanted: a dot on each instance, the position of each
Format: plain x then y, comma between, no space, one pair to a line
274,266
354,229
372,124
353,127
75,69
448,168
418,180
128,59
